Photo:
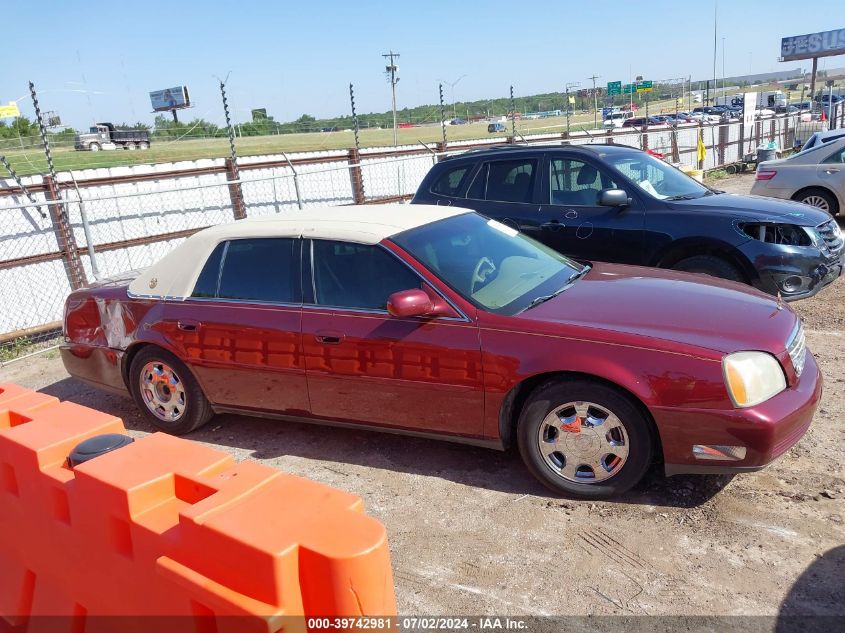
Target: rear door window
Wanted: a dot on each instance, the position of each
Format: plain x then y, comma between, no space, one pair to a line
264,270
505,181
450,183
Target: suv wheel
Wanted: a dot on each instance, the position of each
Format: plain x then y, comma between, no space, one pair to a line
584,439
709,265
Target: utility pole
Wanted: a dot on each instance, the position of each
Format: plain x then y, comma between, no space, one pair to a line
573,84
390,70
595,102
715,22
513,118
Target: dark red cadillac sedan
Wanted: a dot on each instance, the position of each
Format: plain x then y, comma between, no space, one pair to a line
439,322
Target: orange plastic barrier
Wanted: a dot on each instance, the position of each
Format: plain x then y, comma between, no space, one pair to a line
167,527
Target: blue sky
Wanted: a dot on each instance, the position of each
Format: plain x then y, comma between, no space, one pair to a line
299,57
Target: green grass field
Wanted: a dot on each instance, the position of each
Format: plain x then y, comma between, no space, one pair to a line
32,161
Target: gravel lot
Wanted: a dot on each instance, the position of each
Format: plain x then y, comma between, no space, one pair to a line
472,533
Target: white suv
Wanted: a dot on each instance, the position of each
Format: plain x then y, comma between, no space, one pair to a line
616,119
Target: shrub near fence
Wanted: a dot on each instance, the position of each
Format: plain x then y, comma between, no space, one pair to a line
96,223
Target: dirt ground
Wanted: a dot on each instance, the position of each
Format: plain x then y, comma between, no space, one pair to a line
472,533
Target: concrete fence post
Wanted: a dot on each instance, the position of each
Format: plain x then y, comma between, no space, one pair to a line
644,138
64,235
235,191
356,177
723,144
676,151
441,149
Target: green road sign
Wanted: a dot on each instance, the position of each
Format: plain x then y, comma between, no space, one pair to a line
614,87
644,86
628,88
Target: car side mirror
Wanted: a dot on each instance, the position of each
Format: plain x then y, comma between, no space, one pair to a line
417,303
614,198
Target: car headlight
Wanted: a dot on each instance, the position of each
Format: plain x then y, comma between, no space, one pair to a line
752,377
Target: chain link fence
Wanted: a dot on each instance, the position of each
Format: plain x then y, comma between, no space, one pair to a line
90,225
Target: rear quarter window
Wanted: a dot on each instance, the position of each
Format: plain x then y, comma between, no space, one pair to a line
206,285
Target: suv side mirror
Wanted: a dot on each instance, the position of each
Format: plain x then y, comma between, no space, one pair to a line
417,303
613,198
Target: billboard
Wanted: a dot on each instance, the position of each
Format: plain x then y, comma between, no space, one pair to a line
259,114
9,111
170,99
821,44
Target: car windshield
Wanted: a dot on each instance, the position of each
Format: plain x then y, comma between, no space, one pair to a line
495,267
655,177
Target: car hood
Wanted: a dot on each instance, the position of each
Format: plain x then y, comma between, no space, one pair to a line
685,309
756,208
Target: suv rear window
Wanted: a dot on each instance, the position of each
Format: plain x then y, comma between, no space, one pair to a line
450,183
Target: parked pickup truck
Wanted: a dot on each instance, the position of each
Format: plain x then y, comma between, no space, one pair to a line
104,136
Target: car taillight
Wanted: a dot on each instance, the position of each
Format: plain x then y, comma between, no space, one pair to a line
766,174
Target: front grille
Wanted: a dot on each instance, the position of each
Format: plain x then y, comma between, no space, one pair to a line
797,348
832,236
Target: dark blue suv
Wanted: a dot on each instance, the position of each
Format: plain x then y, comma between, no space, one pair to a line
617,204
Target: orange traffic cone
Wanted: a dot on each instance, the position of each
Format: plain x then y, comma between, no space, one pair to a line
823,117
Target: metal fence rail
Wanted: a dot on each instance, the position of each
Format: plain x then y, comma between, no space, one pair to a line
85,226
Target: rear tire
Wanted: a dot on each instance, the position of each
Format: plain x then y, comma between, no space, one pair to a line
144,145
130,146
584,439
819,198
709,265
167,393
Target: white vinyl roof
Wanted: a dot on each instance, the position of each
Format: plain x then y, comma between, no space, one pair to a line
175,275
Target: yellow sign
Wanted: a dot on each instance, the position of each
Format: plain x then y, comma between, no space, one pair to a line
9,111
571,100
680,101
702,150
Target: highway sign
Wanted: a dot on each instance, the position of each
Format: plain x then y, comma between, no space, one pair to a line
644,86
614,87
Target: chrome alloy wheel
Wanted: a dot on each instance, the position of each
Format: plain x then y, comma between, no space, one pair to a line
818,202
162,391
583,442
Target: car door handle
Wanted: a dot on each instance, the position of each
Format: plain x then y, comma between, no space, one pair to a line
188,326
554,225
831,171
329,338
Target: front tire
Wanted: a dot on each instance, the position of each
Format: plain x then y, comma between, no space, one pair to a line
710,265
167,393
94,147
584,439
